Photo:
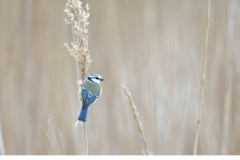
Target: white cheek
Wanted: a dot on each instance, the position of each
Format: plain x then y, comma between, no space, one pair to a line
96,81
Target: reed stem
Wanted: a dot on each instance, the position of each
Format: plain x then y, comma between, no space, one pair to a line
136,119
203,82
86,137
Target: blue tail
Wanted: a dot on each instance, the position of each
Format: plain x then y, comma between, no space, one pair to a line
83,114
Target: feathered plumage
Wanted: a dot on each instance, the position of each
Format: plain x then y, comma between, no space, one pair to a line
88,93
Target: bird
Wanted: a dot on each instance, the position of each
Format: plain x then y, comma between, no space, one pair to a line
89,91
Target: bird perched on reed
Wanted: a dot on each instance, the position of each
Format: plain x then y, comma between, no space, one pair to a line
88,93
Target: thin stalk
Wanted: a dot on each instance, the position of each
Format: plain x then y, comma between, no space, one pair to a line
52,143
203,82
77,63
2,150
86,138
77,17
138,123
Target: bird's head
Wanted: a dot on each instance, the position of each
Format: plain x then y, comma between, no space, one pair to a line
95,78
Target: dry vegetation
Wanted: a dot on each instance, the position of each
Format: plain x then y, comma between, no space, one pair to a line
203,82
137,120
2,150
77,18
154,47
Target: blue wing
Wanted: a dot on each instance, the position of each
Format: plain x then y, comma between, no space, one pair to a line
87,98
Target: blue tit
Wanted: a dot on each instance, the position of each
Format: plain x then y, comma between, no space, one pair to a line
88,93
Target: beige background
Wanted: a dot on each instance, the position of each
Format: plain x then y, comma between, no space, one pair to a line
154,47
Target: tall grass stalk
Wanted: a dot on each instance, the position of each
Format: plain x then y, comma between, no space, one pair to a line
2,150
52,137
77,17
86,139
138,123
203,81
52,143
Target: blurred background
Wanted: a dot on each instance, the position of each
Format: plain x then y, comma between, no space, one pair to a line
154,47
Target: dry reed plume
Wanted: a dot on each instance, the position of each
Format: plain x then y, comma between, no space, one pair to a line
136,119
77,17
203,81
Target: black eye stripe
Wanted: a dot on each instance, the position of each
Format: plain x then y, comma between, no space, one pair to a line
94,78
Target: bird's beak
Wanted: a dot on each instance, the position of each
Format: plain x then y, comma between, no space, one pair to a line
102,79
